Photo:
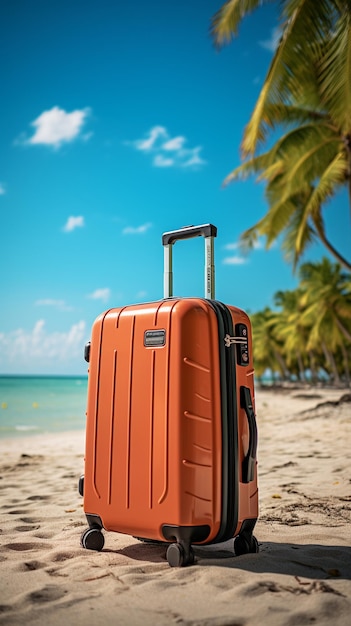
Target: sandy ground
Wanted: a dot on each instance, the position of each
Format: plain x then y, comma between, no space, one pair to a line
302,574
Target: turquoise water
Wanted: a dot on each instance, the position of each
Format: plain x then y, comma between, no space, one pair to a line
34,405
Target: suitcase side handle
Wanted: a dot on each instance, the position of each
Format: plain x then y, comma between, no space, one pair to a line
249,462
209,232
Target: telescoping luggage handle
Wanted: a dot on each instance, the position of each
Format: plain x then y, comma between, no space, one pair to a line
209,232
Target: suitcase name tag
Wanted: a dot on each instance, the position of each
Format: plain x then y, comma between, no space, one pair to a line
154,338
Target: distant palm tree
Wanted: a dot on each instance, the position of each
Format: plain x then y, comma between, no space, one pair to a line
292,332
307,92
327,310
268,350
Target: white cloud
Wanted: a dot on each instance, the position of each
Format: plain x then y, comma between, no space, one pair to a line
154,134
57,304
160,144
87,136
101,294
194,159
161,161
56,126
2,189
37,347
138,230
141,294
73,222
174,144
257,245
234,260
272,43
238,259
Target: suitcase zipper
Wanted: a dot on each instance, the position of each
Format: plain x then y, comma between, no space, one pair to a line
229,517
228,340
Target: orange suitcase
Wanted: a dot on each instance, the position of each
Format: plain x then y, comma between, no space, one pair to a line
171,434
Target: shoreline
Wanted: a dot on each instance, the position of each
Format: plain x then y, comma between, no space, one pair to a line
302,573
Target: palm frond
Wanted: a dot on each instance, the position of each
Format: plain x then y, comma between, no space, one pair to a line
248,238
333,176
302,137
307,21
306,24
309,164
335,72
270,226
297,239
225,23
250,167
272,172
291,114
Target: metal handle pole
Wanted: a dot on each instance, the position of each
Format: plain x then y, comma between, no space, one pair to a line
168,271
209,232
209,268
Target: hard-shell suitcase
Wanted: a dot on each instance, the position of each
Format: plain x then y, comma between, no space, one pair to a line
171,433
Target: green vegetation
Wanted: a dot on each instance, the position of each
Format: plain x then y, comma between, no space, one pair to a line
303,113
306,98
310,331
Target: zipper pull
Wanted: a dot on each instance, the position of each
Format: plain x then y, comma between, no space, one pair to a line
228,340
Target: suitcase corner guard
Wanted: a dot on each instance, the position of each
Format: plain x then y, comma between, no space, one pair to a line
191,534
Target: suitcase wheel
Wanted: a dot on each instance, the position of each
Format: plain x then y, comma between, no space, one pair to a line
92,539
81,486
179,556
245,545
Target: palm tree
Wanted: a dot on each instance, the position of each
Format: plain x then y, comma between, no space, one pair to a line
307,92
327,310
268,350
292,332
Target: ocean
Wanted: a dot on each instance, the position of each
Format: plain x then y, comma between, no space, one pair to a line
31,405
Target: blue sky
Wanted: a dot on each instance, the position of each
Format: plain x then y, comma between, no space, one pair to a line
119,121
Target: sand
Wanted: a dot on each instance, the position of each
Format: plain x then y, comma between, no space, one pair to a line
302,574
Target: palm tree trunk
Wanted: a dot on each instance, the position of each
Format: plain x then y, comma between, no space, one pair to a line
301,367
344,330
329,246
284,370
330,358
346,364
347,142
314,375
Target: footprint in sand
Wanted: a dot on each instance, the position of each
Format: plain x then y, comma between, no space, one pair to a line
25,529
12,502
30,520
37,497
44,535
65,556
56,571
30,566
70,475
23,547
49,593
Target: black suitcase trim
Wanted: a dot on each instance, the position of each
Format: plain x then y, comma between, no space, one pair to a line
230,473
191,534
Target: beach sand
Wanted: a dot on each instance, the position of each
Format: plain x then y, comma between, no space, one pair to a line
302,574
